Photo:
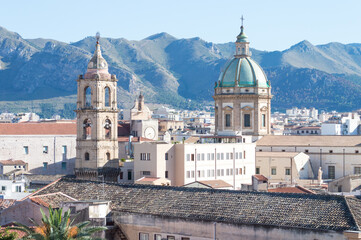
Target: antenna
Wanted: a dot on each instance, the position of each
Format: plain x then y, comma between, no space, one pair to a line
97,36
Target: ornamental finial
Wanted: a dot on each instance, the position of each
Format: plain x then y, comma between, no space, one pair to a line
97,36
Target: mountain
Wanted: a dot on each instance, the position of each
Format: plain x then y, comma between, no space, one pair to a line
41,73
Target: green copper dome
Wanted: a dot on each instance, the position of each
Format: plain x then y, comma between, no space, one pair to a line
242,72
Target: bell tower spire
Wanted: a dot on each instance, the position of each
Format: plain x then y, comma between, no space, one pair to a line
242,44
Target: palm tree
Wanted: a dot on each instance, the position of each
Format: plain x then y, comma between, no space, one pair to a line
58,227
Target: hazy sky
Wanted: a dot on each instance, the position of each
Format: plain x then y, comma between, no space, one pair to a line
270,25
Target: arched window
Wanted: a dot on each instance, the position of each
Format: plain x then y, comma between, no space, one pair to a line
107,97
87,96
87,129
108,156
86,156
108,129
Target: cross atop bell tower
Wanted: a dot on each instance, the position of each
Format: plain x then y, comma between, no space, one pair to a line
242,44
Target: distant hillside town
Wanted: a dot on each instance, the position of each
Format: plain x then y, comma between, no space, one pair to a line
236,171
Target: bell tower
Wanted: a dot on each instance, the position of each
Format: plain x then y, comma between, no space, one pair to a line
97,119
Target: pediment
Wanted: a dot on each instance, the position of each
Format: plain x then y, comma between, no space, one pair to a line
264,108
228,108
247,108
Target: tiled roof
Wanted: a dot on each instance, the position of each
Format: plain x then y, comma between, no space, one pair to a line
12,162
51,199
216,183
67,128
345,141
147,179
307,211
260,177
296,189
5,203
19,234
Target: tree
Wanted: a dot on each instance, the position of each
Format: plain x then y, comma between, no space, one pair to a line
58,227
6,235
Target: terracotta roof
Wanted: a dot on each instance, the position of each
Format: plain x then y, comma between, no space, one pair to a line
346,141
12,162
67,128
260,177
19,234
51,199
147,179
216,183
296,189
277,154
281,210
5,203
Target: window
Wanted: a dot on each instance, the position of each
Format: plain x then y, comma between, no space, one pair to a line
273,171
212,173
107,156
3,188
87,96
244,170
188,157
208,172
192,157
64,150
17,188
227,172
218,172
202,156
306,150
192,174
143,236
331,172
244,154
45,149
240,171
86,156
63,165
263,120
185,238
357,170
166,174
129,175
258,170
26,150
157,237
212,156
228,120
287,171
236,155
145,173
227,156
198,173
107,97
145,156
166,156
331,151
247,120
188,174
198,157
218,156
283,150
87,129
208,156
222,172
222,156
45,165
108,129
170,238
236,171
356,151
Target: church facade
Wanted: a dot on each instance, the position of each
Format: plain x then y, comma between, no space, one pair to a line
242,95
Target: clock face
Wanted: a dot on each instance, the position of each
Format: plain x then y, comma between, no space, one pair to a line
149,133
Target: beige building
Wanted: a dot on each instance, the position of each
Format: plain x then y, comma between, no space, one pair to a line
242,95
287,167
186,163
338,156
350,183
45,147
12,166
97,117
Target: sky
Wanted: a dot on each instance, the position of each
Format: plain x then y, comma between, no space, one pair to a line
270,25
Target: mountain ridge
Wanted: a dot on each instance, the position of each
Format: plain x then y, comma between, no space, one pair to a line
179,72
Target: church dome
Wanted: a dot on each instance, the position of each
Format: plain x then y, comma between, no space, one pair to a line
242,72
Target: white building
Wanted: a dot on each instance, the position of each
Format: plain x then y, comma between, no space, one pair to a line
13,189
185,163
